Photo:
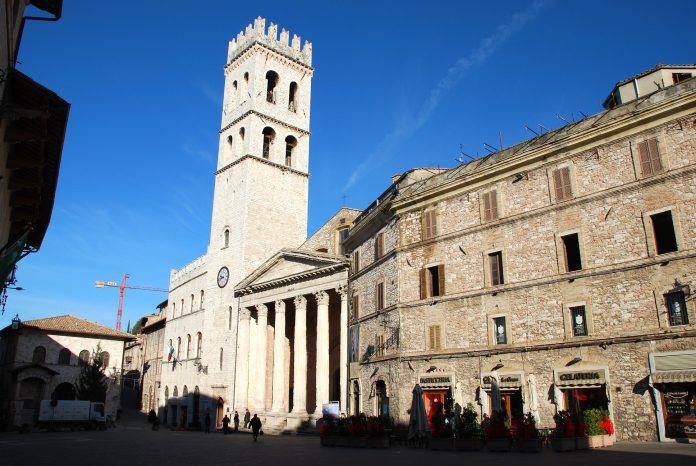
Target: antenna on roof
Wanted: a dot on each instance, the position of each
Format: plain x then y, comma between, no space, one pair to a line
530,129
583,115
500,137
489,147
463,154
560,117
543,128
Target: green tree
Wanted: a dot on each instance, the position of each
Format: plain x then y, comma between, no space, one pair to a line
91,383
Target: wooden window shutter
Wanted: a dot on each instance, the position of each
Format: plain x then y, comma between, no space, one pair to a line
379,245
437,337
433,223
655,162
644,157
486,207
565,178
434,337
441,278
493,202
558,185
426,224
423,284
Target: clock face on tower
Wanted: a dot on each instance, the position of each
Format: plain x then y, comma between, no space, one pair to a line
223,276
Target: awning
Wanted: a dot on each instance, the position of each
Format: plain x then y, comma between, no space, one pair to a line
673,376
581,378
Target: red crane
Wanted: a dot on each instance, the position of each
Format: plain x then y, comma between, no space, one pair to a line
121,289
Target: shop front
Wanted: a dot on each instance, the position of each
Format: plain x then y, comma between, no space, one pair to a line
673,381
437,394
510,385
583,389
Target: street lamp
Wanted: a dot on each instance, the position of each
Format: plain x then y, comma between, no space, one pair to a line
16,322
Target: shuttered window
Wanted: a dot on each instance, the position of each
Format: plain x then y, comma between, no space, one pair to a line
561,184
379,245
356,306
434,340
379,295
496,263
429,224
649,157
432,281
490,206
379,345
356,261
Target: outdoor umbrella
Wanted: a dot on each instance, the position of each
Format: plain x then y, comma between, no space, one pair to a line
418,423
496,402
533,399
557,397
483,399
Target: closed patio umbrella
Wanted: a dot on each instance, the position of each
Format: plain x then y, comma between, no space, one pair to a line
418,423
496,402
483,400
533,398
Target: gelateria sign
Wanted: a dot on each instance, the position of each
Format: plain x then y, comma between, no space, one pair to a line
581,377
436,380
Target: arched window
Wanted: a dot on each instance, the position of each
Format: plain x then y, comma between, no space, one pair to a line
199,345
64,357
241,133
292,97
192,299
178,348
202,295
271,83
220,358
105,357
268,137
83,358
176,392
182,307
173,310
227,237
184,391
234,90
229,318
188,346
246,77
290,144
381,400
166,393
230,144
39,355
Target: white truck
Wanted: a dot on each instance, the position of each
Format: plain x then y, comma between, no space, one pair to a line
56,414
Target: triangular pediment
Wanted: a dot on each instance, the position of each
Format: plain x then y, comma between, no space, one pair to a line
289,265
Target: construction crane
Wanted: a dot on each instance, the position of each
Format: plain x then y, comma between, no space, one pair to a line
121,289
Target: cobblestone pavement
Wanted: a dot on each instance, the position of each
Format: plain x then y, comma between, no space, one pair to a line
141,446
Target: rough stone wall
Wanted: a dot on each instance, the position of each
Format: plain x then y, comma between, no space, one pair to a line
327,235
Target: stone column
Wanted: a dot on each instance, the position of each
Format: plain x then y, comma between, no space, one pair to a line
322,350
299,402
279,358
343,356
242,385
260,345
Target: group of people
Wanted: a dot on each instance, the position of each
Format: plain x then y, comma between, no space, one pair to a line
254,423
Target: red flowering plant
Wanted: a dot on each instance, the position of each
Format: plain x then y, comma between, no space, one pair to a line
357,425
525,428
377,426
607,425
495,427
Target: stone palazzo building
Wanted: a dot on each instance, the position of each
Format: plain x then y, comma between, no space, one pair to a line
563,267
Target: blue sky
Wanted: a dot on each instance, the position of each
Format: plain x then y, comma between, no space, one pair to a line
397,85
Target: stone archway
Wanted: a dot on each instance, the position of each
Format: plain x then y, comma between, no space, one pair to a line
64,391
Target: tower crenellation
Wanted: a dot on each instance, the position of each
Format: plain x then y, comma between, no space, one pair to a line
257,33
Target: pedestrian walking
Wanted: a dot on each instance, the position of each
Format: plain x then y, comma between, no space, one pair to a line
255,424
207,421
236,421
247,418
225,424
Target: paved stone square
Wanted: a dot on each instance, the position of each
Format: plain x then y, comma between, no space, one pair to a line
136,446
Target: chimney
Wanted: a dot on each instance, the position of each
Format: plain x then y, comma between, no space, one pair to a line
395,177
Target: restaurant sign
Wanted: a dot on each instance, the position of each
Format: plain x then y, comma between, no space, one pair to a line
582,377
508,380
436,380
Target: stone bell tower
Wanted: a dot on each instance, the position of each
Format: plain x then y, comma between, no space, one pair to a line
261,181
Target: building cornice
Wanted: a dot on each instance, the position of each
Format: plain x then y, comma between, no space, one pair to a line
283,281
256,46
262,116
259,159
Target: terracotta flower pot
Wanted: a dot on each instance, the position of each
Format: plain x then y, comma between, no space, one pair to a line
446,443
499,444
563,444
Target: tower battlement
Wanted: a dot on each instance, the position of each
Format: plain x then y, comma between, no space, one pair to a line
282,45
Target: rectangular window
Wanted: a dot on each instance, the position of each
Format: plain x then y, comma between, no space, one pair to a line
579,321
500,331
434,340
679,77
379,345
676,307
429,224
663,229
379,295
561,184
379,245
356,261
571,251
432,281
356,306
490,206
496,263
649,157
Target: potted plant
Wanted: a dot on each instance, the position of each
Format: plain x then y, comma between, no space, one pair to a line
469,432
377,429
327,433
608,427
526,435
441,435
496,431
599,427
563,437
357,425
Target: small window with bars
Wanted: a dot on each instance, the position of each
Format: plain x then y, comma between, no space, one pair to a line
649,157
434,337
429,224
561,184
490,206
676,308
578,318
500,331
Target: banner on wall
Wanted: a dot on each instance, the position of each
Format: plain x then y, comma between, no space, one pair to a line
354,343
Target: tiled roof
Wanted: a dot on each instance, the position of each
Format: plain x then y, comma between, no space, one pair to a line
659,66
71,324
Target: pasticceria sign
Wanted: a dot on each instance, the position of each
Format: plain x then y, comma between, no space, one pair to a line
437,380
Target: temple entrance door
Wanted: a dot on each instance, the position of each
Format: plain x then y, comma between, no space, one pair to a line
184,417
220,414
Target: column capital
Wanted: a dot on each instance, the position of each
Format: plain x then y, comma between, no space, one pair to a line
342,291
280,306
244,313
300,301
322,297
262,309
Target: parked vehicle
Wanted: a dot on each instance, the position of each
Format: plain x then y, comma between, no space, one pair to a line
56,414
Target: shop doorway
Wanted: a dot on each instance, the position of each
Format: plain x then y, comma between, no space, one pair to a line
511,402
434,401
579,400
220,414
678,408
382,401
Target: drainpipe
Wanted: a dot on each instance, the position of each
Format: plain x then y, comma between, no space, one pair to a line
635,88
57,15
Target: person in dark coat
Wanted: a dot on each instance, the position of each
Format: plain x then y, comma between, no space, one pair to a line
207,422
225,424
255,424
236,421
247,418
